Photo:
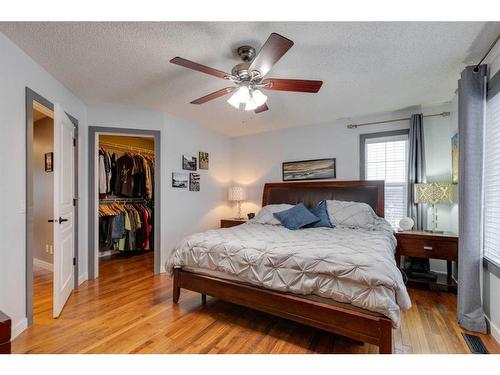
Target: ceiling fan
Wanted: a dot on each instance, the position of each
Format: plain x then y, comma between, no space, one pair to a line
248,76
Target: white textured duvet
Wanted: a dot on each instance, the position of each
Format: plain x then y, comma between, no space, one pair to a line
353,266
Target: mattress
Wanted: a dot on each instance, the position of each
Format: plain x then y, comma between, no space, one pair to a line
348,265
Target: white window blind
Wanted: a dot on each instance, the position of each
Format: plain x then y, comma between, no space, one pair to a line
492,181
385,159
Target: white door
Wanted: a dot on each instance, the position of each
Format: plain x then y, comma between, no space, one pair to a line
63,209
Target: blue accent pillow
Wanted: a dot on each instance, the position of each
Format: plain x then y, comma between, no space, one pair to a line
296,217
321,211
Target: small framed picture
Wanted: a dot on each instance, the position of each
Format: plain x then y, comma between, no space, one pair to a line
180,180
49,162
194,182
189,162
203,159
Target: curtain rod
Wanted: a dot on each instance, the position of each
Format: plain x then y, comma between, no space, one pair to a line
476,68
354,126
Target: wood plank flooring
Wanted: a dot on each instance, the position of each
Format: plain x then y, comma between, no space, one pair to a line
130,310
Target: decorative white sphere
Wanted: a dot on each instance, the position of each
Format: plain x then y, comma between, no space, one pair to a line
406,223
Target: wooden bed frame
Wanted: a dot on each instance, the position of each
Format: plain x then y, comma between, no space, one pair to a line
342,319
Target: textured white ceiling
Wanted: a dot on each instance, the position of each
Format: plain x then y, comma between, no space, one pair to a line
366,67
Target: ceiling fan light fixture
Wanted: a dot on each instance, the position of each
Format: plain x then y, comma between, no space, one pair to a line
259,97
241,96
251,105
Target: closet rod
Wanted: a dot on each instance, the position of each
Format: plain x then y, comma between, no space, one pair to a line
354,126
126,148
126,200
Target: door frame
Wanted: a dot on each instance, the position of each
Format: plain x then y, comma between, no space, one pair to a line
32,96
94,131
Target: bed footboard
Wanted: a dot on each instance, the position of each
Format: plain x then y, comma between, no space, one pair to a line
357,324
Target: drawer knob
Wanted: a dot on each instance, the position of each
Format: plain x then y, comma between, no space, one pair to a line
427,247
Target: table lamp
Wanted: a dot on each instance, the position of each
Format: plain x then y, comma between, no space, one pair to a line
433,193
237,194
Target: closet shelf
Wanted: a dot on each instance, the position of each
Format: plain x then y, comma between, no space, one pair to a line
116,146
128,200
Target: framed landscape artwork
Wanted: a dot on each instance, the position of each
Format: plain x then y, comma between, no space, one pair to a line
180,180
317,169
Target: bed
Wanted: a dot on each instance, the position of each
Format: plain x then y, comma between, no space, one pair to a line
343,280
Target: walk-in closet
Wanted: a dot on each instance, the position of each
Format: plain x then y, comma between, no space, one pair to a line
126,191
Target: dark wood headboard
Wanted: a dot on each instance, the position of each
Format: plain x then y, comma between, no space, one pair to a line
311,193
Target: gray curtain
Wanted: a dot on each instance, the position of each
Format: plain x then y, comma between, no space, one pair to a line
416,170
471,99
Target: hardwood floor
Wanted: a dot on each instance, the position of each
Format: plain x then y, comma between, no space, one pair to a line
130,310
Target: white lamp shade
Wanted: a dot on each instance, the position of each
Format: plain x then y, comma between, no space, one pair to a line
237,193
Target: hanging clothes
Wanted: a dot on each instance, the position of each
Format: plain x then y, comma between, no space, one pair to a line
125,226
130,175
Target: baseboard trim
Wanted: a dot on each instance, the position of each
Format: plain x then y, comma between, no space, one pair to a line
43,264
495,331
18,328
82,278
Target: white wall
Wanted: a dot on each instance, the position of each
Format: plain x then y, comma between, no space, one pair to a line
183,211
257,158
18,71
491,282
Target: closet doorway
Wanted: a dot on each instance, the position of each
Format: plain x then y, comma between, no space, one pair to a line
125,210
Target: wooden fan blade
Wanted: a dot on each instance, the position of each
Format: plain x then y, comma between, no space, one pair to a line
214,95
262,108
272,50
199,67
297,85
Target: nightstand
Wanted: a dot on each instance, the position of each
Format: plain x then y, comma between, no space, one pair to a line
228,223
5,328
429,245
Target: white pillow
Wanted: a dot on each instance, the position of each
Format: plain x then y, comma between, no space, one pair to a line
265,215
351,214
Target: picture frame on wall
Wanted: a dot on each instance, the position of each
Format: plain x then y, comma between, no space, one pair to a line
189,162
454,159
180,180
315,169
203,160
194,182
49,162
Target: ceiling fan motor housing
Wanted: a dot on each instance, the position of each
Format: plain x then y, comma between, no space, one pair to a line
246,53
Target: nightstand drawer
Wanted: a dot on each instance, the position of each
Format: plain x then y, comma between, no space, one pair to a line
428,248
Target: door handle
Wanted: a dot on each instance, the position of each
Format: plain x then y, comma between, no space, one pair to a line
427,247
60,221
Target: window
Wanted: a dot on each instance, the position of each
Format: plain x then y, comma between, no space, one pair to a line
491,175
384,157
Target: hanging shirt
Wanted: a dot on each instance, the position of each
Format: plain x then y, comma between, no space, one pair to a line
125,169
102,175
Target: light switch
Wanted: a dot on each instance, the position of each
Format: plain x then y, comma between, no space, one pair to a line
22,206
